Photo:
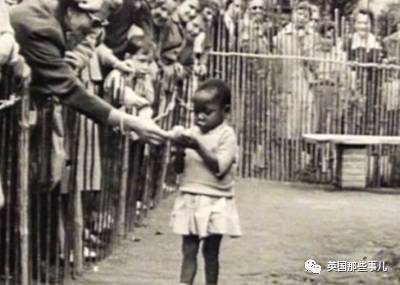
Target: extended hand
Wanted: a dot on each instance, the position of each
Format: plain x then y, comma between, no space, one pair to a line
147,129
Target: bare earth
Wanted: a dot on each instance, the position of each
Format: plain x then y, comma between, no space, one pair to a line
284,225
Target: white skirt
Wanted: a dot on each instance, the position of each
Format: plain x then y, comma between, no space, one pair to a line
202,215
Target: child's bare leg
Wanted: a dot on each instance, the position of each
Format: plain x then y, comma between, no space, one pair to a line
190,247
211,258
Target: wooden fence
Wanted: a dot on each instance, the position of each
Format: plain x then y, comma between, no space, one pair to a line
89,185
287,91
14,152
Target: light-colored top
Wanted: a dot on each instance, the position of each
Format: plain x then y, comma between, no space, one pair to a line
197,178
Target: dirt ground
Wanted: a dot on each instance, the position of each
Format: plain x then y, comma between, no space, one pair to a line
284,225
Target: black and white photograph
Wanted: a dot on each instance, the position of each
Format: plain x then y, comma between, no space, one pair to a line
200,142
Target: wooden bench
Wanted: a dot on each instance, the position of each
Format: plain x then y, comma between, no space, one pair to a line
351,169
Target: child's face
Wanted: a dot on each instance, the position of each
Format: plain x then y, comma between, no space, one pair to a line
208,111
195,27
208,14
142,62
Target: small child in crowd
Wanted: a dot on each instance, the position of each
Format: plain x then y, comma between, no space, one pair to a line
205,208
140,86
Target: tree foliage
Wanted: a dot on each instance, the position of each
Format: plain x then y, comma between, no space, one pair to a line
345,7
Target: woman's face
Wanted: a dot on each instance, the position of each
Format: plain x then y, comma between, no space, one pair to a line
195,27
362,24
187,11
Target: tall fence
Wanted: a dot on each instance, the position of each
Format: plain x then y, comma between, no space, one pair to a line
14,148
89,185
293,87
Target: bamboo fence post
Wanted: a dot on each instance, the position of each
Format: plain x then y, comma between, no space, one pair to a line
147,182
260,129
122,198
243,95
268,117
273,124
246,114
6,183
252,115
237,95
77,211
163,173
134,183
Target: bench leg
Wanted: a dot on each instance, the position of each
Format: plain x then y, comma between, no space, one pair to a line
352,167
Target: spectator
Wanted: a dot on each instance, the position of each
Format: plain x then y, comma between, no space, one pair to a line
254,32
40,32
391,45
131,13
173,48
292,76
156,25
203,42
232,16
314,19
161,11
363,46
331,80
139,87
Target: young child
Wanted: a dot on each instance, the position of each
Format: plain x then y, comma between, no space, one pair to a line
141,85
205,208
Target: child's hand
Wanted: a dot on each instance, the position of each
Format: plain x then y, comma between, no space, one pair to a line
182,137
187,140
176,131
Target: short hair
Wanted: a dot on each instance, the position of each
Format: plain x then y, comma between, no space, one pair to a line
212,4
218,88
326,27
147,46
305,6
367,12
